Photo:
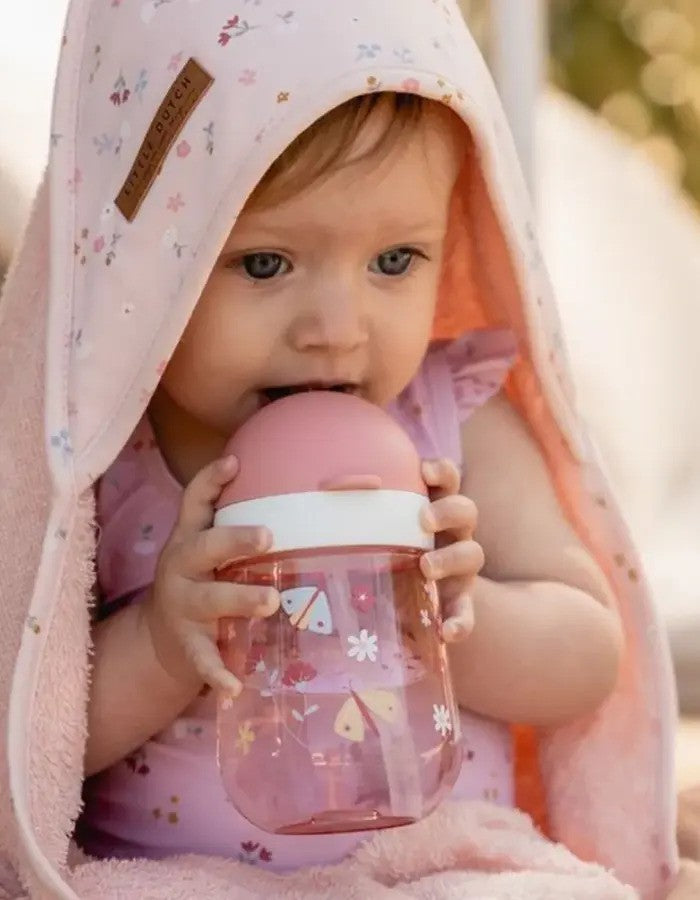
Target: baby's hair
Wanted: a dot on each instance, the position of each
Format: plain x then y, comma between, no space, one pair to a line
327,144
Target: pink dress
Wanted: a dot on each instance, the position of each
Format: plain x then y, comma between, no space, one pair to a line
166,797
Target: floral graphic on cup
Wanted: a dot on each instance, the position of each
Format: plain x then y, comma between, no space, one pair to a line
246,737
300,715
442,720
298,672
363,646
363,600
255,661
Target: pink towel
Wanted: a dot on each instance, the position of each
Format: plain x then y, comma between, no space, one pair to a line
463,850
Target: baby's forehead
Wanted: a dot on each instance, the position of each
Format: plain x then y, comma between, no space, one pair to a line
410,188
367,217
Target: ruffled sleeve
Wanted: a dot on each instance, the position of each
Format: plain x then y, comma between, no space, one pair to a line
137,505
454,380
479,364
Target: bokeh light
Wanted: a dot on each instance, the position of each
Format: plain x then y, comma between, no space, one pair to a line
637,63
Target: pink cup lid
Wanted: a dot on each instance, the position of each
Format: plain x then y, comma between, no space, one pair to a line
321,440
325,469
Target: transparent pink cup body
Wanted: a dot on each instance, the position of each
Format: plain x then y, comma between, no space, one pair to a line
347,720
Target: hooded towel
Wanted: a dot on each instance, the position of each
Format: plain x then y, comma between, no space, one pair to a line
166,115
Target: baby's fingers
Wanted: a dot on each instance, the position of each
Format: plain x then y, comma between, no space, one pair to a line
206,660
200,495
465,558
213,600
455,515
213,548
442,475
458,612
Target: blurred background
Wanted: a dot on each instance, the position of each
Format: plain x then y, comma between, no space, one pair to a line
604,101
636,63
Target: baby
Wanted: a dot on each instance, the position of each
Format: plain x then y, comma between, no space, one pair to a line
330,278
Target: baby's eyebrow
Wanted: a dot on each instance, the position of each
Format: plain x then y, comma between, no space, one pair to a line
397,224
390,230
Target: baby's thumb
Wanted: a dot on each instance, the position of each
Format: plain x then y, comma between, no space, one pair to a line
200,495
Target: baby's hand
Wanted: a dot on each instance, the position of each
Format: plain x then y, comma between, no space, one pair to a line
186,602
458,559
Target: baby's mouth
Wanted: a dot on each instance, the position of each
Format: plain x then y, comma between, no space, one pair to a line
271,394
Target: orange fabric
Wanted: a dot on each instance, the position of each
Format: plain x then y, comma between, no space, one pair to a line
529,790
473,296
461,301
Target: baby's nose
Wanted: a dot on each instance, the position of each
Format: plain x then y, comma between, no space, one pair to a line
335,323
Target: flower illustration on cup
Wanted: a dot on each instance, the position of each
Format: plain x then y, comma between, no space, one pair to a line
363,600
246,737
363,646
255,661
298,673
442,720
425,619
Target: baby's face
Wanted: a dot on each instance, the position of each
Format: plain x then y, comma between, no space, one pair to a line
335,287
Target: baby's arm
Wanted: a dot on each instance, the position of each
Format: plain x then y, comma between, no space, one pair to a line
132,697
546,643
151,658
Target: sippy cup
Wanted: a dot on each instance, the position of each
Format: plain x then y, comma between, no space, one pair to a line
347,720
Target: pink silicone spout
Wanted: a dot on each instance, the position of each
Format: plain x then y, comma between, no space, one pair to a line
321,441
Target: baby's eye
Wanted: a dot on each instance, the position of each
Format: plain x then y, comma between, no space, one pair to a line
263,266
393,262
